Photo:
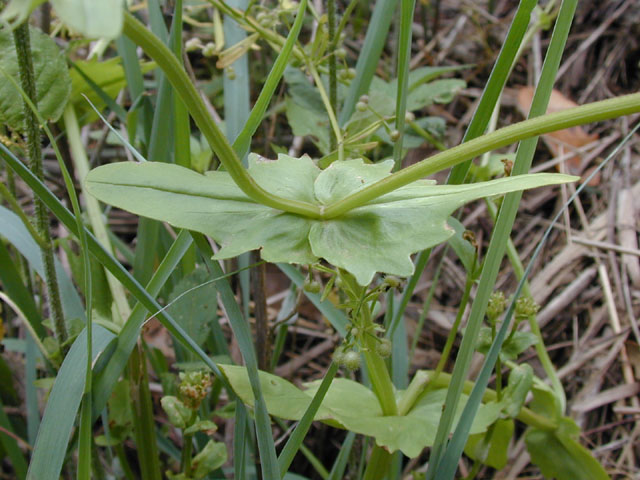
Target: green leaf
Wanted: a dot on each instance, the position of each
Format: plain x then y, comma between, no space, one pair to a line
377,237
19,10
491,448
514,396
559,455
51,73
305,122
108,75
440,91
193,302
62,407
511,348
177,413
212,456
352,406
92,19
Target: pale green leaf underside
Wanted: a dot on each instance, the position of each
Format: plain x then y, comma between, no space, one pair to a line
91,18
377,237
352,406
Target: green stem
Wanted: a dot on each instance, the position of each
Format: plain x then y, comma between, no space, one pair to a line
27,80
541,351
180,81
333,121
592,112
377,370
454,329
333,81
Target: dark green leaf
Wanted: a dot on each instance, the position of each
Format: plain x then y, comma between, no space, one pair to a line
52,79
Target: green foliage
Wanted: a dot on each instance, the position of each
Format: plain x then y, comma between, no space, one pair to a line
193,304
352,406
51,73
92,19
378,237
559,455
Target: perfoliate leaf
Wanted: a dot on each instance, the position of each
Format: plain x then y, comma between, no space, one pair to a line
51,73
352,406
377,237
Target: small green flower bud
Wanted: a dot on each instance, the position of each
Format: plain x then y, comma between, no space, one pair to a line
231,73
352,360
340,53
526,307
497,305
409,117
394,135
383,347
364,99
351,73
361,107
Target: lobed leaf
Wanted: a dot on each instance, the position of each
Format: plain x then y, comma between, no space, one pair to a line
377,237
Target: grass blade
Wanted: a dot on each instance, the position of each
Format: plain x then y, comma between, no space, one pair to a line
64,400
297,437
242,142
498,242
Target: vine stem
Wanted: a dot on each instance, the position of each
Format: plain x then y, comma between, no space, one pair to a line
593,112
176,75
27,79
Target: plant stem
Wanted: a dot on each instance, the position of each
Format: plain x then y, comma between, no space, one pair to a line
219,144
333,83
592,112
27,79
333,121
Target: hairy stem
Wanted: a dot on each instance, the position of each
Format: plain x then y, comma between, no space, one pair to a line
28,83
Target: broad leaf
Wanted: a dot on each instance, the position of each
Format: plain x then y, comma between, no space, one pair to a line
559,455
491,448
91,18
352,406
377,237
51,73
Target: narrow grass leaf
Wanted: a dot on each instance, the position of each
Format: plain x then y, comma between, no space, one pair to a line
14,231
62,407
297,437
242,142
497,247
